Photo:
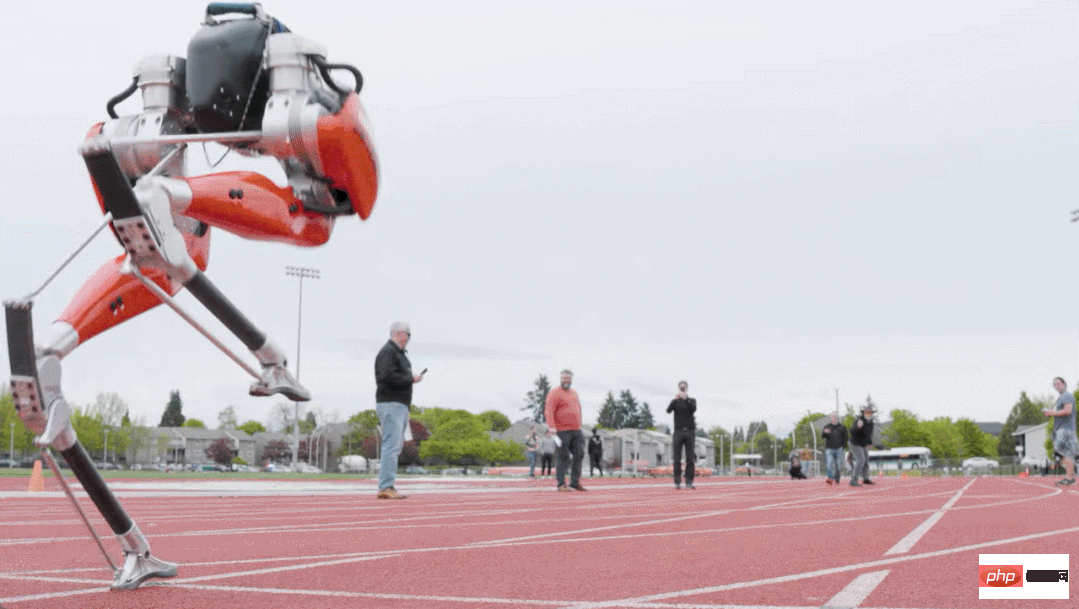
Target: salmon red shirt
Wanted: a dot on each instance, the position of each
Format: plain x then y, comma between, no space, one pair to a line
563,409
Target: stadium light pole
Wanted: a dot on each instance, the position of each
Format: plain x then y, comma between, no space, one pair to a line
105,448
301,272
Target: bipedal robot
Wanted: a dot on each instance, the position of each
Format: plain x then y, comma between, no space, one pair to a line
253,86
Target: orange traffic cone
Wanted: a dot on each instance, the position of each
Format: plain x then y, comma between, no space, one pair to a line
37,480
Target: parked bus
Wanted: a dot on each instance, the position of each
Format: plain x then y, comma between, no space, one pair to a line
901,458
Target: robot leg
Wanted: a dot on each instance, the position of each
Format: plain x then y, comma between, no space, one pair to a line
143,219
39,402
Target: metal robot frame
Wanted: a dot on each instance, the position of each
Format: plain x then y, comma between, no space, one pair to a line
252,85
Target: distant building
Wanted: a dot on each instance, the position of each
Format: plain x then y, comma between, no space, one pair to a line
621,446
185,445
1030,441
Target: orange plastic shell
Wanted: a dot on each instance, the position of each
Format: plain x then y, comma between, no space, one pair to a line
348,155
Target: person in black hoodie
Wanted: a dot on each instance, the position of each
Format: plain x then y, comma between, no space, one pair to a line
796,470
685,434
595,453
861,436
835,441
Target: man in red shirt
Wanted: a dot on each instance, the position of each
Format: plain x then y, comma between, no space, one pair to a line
563,414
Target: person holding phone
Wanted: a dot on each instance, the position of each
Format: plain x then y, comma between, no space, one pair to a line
393,395
684,435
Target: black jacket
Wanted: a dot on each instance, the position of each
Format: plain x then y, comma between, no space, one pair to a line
393,375
595,446
863,436
683,413
838,437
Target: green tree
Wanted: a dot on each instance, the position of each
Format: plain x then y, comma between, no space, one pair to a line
24,439
194,423
739,435
173,417
944,438
495,420
609,414
459,437
644,417
804,432
766,445
90,431
226,419
629,410
972,438
309,424
251,427
1024,412
536,400
722,439
906,430
755,428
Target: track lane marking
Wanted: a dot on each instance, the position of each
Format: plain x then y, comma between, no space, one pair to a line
858,590
904,545
820,572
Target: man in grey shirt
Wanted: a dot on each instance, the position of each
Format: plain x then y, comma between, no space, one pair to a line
1064,438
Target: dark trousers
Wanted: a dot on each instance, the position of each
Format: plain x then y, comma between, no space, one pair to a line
595,464
572,444
545,465
684,438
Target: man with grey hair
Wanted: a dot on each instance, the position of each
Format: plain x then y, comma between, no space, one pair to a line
393,395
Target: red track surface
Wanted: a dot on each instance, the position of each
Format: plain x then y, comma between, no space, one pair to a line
495,543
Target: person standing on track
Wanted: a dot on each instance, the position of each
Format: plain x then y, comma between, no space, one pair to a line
861,436
547,446
1064,438
563,412
531,444
393,394
835,441
684,435
595,453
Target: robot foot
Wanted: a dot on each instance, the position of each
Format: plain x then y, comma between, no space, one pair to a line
277,379
139,564
139,568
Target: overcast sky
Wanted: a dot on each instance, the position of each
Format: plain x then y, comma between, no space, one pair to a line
771,200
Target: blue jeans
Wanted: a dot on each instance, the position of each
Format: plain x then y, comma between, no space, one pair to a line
532,463
392,416
833,462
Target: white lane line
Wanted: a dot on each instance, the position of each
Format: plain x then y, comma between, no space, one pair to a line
819,573
914,536
858,590
637,524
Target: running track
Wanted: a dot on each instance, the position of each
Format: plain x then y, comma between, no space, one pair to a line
501,543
